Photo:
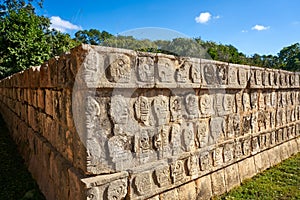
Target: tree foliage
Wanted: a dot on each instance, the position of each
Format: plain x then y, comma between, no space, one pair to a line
92,36
25,38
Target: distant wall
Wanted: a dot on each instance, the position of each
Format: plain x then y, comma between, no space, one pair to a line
107,123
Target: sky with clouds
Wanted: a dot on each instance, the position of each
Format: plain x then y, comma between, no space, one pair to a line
256,26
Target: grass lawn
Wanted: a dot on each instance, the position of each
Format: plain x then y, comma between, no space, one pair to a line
279,182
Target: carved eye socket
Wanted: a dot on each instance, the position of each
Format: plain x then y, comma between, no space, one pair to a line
91,196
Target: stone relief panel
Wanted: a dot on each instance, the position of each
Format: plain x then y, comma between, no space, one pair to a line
232,75
218,156
143,183
163,176
205,161
229,104
177,171
202,133
246,124
117,189
176,143
192,106
228,152
176,108
90,71
193,166
120,151
189,137
206,105
161,109
145,69
243,76
222,74
119,109
258,77
196,73
119,68
166,70
143,110
234,126
217,130
209,74
93,194
246,102
183,72
218,105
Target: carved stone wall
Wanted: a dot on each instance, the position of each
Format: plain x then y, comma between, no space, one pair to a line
106,123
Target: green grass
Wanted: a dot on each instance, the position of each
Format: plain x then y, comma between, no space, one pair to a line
279,182
15,180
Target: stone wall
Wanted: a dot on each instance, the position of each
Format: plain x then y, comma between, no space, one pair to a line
106,123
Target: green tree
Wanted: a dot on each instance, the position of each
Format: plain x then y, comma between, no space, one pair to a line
25,38
92,36
289,57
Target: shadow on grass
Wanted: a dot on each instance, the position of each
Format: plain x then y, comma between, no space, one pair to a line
15,180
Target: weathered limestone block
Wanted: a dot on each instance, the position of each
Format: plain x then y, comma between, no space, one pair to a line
218,182
113,186
232,178
204,188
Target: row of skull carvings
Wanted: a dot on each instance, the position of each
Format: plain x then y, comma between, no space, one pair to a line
122,68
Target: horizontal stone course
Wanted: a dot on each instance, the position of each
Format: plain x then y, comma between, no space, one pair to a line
107,123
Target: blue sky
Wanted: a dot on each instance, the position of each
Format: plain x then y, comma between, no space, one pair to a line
253,26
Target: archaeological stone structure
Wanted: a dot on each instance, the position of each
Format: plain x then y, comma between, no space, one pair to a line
108,123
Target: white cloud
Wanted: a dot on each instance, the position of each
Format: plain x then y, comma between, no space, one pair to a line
260,27
203,18
62,25
244,31
217,17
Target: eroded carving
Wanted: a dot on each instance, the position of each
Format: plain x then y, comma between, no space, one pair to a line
165,70
163,176
142,110
117,190
182,73
192,106
202,129
209,74
145,69
217,130
119,70
93,193
177,171
195,73
175,108
218,156
222,74
228,152
205,161
176,139
119,109
161,109
189,137
206,104
246,124
143,183
193,165
246,102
